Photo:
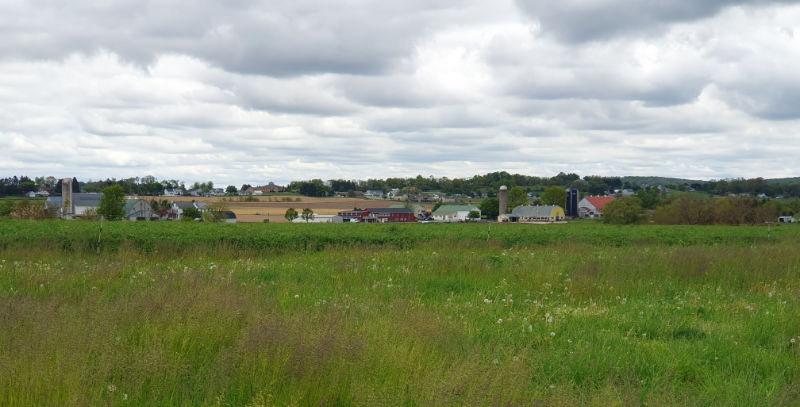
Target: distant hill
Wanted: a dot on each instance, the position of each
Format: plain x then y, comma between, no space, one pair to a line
660,180
783,180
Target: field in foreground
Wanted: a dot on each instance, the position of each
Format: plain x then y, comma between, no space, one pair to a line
422,321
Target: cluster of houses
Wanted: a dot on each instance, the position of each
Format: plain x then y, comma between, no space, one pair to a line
82,205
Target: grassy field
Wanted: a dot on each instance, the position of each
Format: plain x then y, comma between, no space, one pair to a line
580,314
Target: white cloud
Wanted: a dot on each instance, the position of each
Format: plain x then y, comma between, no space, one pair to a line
252,91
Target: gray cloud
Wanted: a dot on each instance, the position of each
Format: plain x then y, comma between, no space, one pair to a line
579,21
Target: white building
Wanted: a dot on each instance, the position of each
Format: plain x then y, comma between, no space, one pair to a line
454,213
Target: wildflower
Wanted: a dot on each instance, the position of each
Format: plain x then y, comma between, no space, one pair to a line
112,388
487,301
791,340
297,296
500,321
552,334
495,361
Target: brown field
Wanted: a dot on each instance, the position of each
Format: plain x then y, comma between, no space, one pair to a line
273,207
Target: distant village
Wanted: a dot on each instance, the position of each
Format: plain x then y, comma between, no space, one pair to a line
478,199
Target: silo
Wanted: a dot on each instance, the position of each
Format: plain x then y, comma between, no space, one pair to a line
66,198
502,196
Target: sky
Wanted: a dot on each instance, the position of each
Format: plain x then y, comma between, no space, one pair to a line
252,91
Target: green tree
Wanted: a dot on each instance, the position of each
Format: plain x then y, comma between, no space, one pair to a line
555,196
112,203
623,211
490,207
290,215
517,196
474,215
191,214
650,197
308,214
231,190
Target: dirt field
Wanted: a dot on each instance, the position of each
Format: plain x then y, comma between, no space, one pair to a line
273,207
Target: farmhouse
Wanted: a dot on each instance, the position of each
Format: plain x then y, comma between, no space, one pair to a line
537,214
592,206
374,193
454,213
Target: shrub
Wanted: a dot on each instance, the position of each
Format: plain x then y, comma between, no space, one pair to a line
623,211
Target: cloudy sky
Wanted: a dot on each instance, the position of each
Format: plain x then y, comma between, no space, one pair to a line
276,90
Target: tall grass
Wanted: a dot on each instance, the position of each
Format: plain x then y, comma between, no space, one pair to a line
180,236
476,323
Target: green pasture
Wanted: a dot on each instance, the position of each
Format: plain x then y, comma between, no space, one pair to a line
413,315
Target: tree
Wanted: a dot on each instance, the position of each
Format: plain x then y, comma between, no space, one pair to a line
650,197
490,207
623,211
112,203
474,215
517,196
231,190
191,214
308,214
555,196
290,215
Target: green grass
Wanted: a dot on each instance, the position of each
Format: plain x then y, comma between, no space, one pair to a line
435,317
150,236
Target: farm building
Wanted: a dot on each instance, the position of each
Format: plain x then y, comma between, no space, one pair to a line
139,209
379,215
454,213
320,219
592,206
537,214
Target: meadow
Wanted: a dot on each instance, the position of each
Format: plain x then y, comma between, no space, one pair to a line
273,315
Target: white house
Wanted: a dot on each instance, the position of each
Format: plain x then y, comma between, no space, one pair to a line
320,219
454,213
374,193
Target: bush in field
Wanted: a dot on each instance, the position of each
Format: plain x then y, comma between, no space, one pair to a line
623,211
6,207
730,210
25,210
90,214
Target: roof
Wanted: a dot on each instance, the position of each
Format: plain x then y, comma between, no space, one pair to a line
389,210
455,208
534,211
183,205
599,201
86,199
228,215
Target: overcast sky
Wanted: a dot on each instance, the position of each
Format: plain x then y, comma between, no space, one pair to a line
254,91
